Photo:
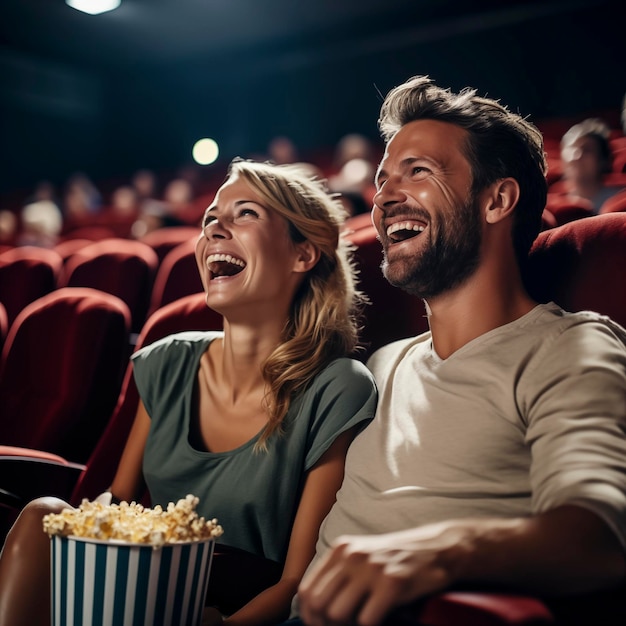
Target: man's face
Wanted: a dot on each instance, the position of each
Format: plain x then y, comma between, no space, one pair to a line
426,216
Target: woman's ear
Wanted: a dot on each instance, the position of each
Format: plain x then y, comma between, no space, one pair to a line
307,255
501,199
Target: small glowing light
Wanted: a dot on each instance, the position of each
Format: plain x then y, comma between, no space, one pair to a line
205,151
93,7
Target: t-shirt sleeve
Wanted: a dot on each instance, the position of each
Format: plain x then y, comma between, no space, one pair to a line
162,369
577,423
342,396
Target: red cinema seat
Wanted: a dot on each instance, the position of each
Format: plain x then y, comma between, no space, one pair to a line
27,273
177,276
391,314
122,267
33,474
567,208
614,204
62,367
164,240
582,265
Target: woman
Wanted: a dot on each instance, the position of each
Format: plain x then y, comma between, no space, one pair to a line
255,420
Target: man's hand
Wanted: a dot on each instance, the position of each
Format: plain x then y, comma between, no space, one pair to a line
362,578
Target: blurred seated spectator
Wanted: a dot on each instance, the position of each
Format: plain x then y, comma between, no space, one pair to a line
44,190
175,209
144,182
355,184
124,200
41,224
587,160
81,201
282,151
8,227
353,146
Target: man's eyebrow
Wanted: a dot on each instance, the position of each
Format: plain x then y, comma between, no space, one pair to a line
406,162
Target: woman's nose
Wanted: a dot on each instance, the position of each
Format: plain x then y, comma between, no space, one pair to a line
216,230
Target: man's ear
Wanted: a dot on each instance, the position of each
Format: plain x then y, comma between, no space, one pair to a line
307,256
500,200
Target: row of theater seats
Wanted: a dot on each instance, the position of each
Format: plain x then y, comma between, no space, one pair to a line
580,265
138,272
65,355
562,208
94,322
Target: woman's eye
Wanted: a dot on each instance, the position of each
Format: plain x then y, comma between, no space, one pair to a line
248,212
208,219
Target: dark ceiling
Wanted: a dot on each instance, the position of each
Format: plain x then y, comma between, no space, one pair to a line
134,87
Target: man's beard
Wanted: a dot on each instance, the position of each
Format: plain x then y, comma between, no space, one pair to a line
449,260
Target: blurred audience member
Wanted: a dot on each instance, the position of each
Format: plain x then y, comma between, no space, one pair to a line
353,146
587,159
81,198
282,151
124,200
144,182
355,184
44,190
42,222
173,210
8,227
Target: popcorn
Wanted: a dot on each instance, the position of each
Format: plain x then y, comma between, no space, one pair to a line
134,523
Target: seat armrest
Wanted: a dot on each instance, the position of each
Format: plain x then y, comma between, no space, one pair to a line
26,476
453,608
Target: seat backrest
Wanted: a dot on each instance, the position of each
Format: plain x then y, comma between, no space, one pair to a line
67,248
566,208
62,367
164,240
614,204
392,313
177,276
27,273
189,313
122,267
581,265
4,327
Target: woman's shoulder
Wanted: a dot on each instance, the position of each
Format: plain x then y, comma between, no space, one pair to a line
346,368
345,377
186,341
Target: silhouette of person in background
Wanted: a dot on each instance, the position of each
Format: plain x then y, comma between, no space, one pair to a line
587,159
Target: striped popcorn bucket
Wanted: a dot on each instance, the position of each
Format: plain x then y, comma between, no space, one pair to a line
113,583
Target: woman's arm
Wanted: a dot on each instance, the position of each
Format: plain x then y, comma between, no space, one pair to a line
128,483
320,489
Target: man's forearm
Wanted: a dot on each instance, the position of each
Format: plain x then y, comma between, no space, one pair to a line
566,550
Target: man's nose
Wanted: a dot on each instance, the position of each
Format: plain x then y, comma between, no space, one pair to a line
389,193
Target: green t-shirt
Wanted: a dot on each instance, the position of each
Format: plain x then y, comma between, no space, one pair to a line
254,495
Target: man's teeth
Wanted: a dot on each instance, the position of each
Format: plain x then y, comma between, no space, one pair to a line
224,258
394,228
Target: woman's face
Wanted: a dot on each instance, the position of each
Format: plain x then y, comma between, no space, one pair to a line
245,255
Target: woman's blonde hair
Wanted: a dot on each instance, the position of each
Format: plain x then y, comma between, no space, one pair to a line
324,317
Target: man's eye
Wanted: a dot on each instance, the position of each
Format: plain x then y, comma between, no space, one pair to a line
418,169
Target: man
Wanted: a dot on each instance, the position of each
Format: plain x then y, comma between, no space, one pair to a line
498,453
587,159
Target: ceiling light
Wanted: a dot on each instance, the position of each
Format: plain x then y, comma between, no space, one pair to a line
93,7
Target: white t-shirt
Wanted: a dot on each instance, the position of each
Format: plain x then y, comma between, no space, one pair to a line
527,417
